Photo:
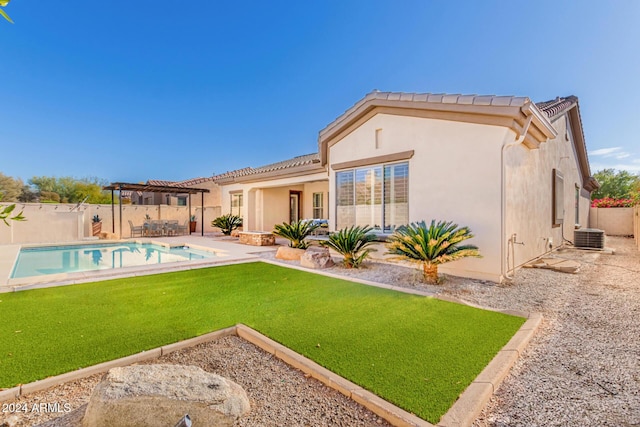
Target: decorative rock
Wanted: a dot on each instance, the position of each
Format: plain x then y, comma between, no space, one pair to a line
160,395
316,257
289,254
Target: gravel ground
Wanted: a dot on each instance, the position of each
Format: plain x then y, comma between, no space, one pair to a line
581,369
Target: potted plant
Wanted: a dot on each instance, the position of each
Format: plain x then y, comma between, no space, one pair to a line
192,224
96,225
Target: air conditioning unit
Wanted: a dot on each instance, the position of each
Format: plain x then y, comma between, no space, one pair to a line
589,238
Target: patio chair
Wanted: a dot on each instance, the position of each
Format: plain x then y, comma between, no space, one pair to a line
183,229
136,229
156,228
171,228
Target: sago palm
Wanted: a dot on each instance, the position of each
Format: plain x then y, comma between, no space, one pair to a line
431,245
352,244
295,232
227,223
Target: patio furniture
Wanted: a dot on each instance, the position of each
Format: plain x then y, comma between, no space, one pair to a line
171,227
323,226
136,229
183,229
156,228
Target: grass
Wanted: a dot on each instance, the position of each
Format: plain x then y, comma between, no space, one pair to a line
419,353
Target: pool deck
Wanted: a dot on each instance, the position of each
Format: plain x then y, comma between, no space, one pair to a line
227,252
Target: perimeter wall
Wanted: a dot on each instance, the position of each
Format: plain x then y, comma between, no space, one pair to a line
59,223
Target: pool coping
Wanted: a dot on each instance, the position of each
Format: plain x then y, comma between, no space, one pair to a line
223,257
462,413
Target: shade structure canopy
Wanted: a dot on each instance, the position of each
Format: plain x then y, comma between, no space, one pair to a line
169,189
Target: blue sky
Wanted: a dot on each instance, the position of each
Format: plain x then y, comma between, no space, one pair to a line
146,89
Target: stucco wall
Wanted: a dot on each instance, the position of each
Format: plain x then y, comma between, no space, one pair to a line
266,203
614,221
307,198
454,175
529,196
56,223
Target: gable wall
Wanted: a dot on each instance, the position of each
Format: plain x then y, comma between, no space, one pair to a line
454,175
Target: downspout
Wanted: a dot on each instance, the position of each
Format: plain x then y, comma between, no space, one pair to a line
503,191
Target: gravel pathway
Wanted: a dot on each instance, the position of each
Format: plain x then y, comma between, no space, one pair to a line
581,369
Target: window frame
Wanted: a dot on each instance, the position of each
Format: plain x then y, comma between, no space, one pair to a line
317,207
383,228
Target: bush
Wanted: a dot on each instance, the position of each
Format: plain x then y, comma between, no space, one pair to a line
609,202
433,245
352,244
295,232
227,223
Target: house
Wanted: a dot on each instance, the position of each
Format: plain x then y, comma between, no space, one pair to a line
514,171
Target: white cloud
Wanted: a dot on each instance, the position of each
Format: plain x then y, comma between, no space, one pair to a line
622,155
632,166
605,152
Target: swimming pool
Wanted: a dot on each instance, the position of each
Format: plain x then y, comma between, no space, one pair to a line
46,260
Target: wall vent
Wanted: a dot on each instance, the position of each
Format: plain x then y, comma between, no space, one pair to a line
590,238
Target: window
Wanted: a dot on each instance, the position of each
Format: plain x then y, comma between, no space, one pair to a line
558,198
376,196
318,211
182,200
236,204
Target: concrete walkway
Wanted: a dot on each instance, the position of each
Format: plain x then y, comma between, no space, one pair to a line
228,251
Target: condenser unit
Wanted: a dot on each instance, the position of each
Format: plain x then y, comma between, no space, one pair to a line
589,238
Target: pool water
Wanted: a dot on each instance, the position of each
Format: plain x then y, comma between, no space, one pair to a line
78,258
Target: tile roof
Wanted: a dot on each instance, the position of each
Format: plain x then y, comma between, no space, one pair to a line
557,106
306,159
447,98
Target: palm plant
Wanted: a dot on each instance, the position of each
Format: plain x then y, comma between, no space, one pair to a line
227,223
295,232
4,3
431,246
352,244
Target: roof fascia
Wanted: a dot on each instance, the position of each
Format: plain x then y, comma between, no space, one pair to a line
589,183
498,115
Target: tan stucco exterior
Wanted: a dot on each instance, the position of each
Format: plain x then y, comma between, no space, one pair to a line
453,176
482,163
529,180
266,202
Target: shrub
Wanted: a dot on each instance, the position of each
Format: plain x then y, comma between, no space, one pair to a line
96,218
609,202
431,246
227,223
295,232
352,244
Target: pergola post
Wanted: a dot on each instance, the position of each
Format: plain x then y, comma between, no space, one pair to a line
202,212
113,215
120,201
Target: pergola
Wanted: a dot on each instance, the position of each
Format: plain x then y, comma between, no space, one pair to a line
171,189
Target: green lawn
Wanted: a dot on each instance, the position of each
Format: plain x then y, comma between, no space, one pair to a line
419,353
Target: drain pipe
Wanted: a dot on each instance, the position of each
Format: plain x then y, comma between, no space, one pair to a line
503,191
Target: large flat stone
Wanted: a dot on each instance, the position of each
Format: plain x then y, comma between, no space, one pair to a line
160,395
